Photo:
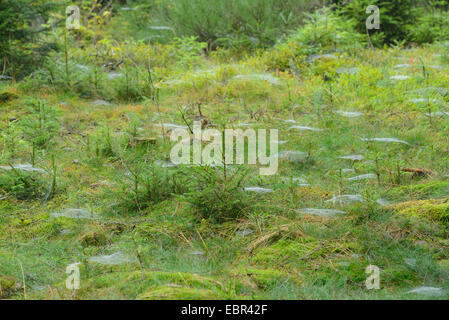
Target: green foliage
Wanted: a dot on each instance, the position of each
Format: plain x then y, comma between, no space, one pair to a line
135,20
195,231
7,96
323,31
22,185
437,210
218,195
434,189
61,72
236,23
41,125
102,144
67,77
432,27
89,75
395,17
7,286
134,85
21,48
144,185
189,50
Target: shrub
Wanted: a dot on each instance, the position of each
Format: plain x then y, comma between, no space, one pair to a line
41,125
432,27
218,196
61,72
22,184
21,47
145,184
135,23
131,86
323,31
112,71
103,144
250,23
395,17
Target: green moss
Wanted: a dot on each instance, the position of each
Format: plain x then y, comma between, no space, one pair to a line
184,278
136,283
22,185
444,263
93,238
178,293
299,251
35,224
7,286
398,276
420,191
7,96
98,235
285,249
262,278
345,272
436,210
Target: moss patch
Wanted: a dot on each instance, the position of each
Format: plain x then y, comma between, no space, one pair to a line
436,210
421,191
135,284
444,264
7,286
287,250
179,293
262,278
98,235
7,96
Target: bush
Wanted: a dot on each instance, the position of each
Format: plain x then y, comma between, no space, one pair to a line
21,47
217,196
134,85
249,23
323,31
395,17
112,71
22,185
102,144
145,184
41,125
432,27
134,23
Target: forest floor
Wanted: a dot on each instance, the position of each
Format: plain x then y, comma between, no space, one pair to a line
366,147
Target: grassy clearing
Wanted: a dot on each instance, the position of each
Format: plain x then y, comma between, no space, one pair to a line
194,233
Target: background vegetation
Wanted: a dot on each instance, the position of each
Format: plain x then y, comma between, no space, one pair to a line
85,175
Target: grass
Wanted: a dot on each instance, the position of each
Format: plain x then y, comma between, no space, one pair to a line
267,250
